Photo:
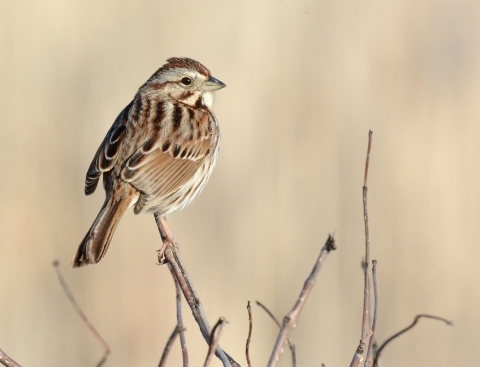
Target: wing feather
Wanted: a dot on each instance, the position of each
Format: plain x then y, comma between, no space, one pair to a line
159,174
107,153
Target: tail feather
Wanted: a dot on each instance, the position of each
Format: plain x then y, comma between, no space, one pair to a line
96,242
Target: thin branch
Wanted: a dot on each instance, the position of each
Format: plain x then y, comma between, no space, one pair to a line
80,313
214,340
370,320
357,357
290,345
7,361
178,297
418,317
191,296
291,319
375,313
249,338
367,240
168,346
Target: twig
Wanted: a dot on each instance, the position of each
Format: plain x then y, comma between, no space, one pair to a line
213,344
370,320
191,296
367,240
357,357
418,317
178,296
375,313
291,319
7,361
249,338
168,346
291,346
80,313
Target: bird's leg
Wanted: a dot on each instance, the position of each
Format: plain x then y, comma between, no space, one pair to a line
167,238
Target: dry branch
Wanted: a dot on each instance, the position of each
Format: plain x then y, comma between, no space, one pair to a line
181,329
168,346
173,258
214,339
367,241
366,332
396,335
7,361
80,313
291,319
249,338
290,344
375,313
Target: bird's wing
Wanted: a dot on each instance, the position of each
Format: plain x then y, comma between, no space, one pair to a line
107,153
159,168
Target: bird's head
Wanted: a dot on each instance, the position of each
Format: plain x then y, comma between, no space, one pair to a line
184,80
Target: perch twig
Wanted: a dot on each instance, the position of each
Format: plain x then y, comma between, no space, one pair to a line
173,258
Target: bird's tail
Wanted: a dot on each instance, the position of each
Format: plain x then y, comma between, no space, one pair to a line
96,242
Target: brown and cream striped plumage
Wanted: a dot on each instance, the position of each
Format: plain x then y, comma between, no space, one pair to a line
159,153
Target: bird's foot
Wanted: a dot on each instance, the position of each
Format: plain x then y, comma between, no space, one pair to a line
161,253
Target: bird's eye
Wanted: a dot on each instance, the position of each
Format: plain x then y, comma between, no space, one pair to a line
186,81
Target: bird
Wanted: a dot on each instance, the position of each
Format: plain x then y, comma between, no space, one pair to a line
159,153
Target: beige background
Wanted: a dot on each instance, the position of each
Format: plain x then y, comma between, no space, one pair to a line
306,81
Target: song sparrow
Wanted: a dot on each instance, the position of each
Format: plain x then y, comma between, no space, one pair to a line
158,154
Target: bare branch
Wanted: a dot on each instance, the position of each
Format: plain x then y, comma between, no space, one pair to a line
357,357
370,320
418,317
168,346
191,296
249,338
7,361
214,340
375,313
367,241
178,297
290,345
80,313
291,319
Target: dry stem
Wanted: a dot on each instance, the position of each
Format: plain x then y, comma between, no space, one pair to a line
367,241
80,313
396,335
168,346
249,338
290,344
291,319
191,296
7,361
181,329
375,313
214,340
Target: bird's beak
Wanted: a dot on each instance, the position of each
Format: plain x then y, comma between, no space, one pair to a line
212,84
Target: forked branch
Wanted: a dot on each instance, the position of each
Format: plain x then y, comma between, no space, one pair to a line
168,346
290,344
173,258
291,319
214,339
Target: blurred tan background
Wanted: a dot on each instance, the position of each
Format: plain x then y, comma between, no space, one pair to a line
306,81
